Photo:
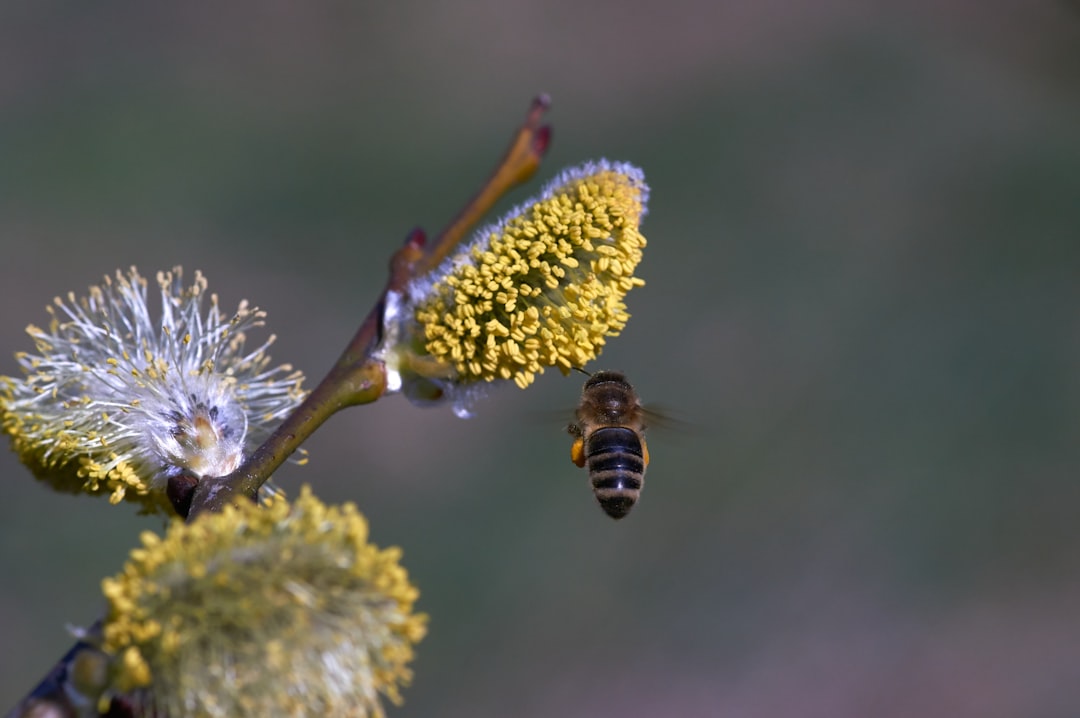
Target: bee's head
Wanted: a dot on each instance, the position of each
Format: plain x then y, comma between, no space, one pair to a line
605,377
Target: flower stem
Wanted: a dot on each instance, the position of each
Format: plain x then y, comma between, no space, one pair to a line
519,163
357,378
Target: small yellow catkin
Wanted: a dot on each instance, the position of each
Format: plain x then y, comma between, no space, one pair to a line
280,609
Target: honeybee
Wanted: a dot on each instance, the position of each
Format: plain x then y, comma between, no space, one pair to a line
609,439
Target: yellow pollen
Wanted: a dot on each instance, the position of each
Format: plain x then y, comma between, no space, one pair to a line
205,607
546,289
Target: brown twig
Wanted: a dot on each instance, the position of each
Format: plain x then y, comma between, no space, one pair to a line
357,378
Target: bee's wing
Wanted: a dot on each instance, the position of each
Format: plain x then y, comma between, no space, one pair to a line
565,419
662,418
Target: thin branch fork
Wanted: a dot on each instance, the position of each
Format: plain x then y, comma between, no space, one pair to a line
357,378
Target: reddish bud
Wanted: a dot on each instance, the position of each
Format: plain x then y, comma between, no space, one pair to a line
542,140
416,238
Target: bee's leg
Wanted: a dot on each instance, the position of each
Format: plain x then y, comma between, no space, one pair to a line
577,452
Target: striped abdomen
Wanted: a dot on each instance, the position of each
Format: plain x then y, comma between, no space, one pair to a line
615,458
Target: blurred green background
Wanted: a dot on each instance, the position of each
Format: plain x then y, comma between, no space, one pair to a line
863,295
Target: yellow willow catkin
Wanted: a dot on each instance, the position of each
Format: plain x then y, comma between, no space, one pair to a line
283,610
543,287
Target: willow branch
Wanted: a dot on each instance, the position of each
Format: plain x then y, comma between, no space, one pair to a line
358,378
